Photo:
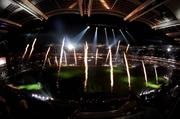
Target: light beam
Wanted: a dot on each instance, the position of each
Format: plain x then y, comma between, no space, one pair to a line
95,39
127,42
79,36
117,50
130,35
114,4
114,37
107,41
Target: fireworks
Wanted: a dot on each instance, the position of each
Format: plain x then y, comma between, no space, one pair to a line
86,65
96,56
145,74
45,59
127,69
32,48
25,52
61,54
111,69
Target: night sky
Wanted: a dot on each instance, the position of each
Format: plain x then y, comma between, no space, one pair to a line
69,25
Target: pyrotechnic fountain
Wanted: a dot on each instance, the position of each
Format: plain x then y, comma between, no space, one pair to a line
86,65
127,48
25,52
111,68
56,60
65,58
101,65
49,62
96,76
45,59
156,75
145,74
127,69
75,57
96,56
61,54
32,48
107,56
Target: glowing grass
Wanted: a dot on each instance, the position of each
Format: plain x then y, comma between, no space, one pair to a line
152,85
116,70
36,86
70,74
99,79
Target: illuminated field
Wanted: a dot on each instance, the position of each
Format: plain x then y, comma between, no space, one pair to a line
99,80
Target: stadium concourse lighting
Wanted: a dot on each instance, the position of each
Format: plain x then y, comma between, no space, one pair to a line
80,4
89,7
72,5
104,3
10,22
31,9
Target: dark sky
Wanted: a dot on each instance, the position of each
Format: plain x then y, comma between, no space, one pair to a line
53,31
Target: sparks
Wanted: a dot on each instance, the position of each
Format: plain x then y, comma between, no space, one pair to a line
45,59
127,69
111,67
127,48
107,56
145,74
61,54
86,65
96,56
75,58
155,70
56,60
25,52
49,61
65,58
32,48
